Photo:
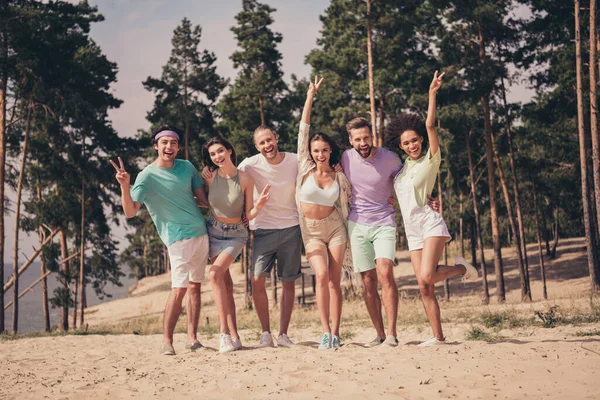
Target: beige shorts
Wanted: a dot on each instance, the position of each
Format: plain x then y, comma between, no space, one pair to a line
329,231
188,261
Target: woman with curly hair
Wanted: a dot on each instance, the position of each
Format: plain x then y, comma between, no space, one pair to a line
426,231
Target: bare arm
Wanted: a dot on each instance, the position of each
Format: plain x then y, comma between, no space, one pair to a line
200,197
252,209
130,207
313,88
434,143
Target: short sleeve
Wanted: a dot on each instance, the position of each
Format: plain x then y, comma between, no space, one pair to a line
345,160
396,165
138,191
242,166
436,160
197,181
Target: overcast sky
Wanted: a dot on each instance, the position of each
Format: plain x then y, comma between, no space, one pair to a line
136,34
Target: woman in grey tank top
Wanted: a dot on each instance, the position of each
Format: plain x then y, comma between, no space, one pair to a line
230,194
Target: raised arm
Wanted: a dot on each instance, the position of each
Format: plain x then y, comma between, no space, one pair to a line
303,154
434,143
130,207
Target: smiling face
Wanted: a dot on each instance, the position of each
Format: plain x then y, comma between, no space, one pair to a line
320,152
361,139
219,155
266,143
167,148
412,143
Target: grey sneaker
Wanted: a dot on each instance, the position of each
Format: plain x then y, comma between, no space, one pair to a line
284,341
193,347
325,341
335,342
390,341
375,342
471,275
237,343
266,340
167,349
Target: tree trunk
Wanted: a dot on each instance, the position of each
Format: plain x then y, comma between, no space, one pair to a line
498,267
486,292
381,120
525,287
64,314
485,101
15,321
376,138
516,190
441,197
473,243
554,233
43,268
82,257
3,87
594,111
460,226
82,244
539,240
592,267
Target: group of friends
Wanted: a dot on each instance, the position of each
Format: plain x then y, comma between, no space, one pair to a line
339,205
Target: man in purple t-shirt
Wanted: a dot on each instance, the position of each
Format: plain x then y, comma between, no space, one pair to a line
372,224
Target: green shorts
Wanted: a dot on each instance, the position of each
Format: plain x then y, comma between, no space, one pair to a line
368,243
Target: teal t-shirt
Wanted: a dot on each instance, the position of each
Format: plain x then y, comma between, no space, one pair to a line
168,194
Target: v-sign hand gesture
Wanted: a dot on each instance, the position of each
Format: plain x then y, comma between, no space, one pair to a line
122,175
436,83
264,197
313,88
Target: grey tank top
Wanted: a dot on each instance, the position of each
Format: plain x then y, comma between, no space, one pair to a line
226,197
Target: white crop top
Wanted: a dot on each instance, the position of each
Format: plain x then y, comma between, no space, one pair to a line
312,194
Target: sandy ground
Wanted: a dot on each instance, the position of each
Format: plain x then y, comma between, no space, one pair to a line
528,361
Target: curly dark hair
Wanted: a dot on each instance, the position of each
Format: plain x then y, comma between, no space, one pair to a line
165,127
334,158
212,141
402,123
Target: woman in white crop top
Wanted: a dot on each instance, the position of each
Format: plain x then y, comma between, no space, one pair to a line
426,231
322,197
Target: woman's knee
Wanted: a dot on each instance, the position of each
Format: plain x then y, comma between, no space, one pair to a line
427,290
426,278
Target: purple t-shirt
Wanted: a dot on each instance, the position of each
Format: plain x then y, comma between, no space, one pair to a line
372,184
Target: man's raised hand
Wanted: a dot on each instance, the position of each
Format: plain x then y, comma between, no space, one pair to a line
121,175
264,197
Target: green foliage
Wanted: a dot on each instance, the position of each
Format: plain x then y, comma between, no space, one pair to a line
476,333
549,318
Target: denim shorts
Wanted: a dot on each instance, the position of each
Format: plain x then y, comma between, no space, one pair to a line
226,238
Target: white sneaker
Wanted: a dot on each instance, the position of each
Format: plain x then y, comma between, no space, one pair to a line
266,340
284,341
375,342
432,342
226,345
471,275
390,341
237,343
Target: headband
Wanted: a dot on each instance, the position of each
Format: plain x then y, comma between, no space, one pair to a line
166,133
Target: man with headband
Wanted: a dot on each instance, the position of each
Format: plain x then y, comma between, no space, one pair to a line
172,189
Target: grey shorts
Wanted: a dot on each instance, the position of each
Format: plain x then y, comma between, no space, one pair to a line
283,245
226,238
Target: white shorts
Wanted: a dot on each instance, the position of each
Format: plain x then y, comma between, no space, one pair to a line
422,225
188,261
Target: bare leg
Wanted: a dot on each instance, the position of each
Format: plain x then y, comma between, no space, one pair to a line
372,300
217,270
389,289
231,313
317,256
172,311
430,303
432,273
261,302
336,257
193,310
287,305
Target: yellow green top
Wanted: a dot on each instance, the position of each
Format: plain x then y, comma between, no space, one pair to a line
423,173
